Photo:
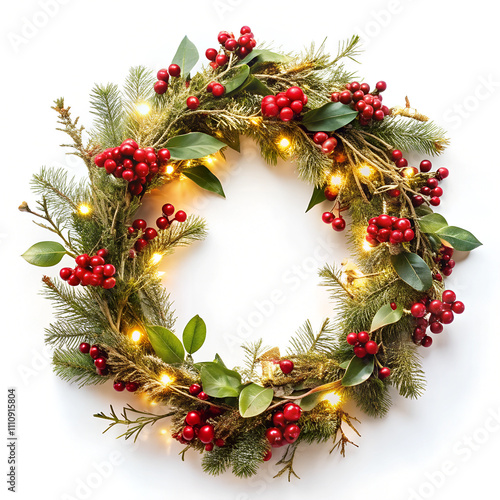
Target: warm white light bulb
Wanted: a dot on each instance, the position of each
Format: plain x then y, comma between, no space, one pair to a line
143,108
136,335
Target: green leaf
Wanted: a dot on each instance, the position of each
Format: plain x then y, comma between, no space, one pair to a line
345,364
386,316
186,56
44,254
238,78
318,196
255,399
423,210
193,145
202,176
219,382
194,334
165,344
256,86
262,55
309,402
435,241
329,117
460,239
431,223
413,270
358,371
218,359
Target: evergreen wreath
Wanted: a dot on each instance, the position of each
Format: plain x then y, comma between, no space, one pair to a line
113,316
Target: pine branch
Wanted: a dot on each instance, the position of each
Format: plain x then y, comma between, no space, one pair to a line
134,425
106,104
349,48
306,341
253,351
75,367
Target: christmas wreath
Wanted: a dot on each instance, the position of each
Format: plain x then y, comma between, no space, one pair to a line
113,316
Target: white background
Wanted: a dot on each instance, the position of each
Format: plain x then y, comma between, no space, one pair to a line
445,58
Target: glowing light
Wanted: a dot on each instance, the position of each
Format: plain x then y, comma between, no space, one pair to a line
160,274
209,160
142,108
170,169
335,180
255,121
333,398
136,335
84,209
365,170
284,143
166,379
367,247
163,431
188,163
156,258
409,171
153,403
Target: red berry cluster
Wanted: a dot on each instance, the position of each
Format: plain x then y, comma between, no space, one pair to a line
131,163
286,366
99,357
444,260
285,105
196,427
284,430
197,390
327,143
150,233
163,76
216,89
338,223
368,105
90,271
434,314
384,228
241,46
363,346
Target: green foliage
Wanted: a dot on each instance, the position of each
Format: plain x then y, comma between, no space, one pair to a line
358,371
220,382
165,344
306,341
252,352
194,334
202,176
44,254
254,400
75,367
107,105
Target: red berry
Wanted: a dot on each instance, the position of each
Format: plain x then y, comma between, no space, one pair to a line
363,337
192,102
219,442
371,347
168,209
292,412
160,87
438,191
209,447
230,44
335,96
119,386
84,347
320,137
338,224
417,200
359,351
345,97
142,170
291,433
442,173
174,70
384,221
194,389
329,145
364,87
402,163
73,280
150,234
82,260
327,218
352,338
218,90
162,222
378,115
449,296
279,419
425,166
458,307
139,224
396,155
427,341
100,363
94,352
286,114
211,54
131,386
381,86
436,327
294,94
221,59
109,283
188,433
434,201
193,418
297,106
267,456
394,306
65,273
409,234
286,366
435,307
206,434
384,373
331,193
108,270
180,216
274,436
418,310
203,396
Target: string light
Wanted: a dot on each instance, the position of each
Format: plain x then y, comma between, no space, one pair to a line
209,160
284,143
160,274
153,403
156,258
163,431
84,209
333,398
255,121
136,335
142,108
335,180
166,379
170,169
367,247
366,170
409,171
